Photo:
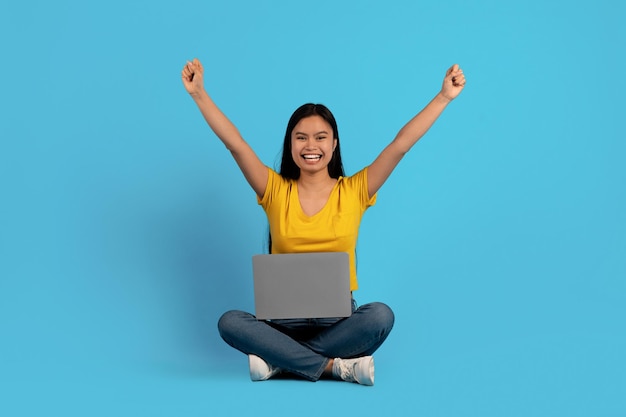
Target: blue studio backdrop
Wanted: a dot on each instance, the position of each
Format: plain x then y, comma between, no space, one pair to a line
126,229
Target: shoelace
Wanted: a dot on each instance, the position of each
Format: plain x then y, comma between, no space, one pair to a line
346,373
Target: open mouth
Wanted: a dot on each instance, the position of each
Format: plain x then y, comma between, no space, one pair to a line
312,157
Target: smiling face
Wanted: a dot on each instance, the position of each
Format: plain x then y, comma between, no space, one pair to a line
312,144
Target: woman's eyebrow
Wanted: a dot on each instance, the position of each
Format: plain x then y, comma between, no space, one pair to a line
323,132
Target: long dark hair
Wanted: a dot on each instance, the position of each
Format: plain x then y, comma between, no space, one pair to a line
288,167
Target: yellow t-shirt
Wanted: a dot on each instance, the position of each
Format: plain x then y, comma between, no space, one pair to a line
334,228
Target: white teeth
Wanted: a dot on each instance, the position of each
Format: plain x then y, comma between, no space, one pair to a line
312,157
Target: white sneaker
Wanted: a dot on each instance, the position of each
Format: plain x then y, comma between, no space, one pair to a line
261,370
360,370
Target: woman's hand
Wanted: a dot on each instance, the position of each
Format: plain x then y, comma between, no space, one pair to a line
192,77
453,82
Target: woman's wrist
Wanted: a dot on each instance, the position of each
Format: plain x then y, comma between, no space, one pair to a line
199,95
444,98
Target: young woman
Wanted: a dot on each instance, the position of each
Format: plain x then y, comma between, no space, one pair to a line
313,207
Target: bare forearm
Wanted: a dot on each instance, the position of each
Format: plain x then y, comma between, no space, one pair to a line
251,166
419,125
219,123
408,136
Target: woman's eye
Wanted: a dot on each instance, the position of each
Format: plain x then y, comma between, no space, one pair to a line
321,137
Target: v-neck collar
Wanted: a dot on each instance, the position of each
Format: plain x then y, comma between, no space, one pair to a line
301,210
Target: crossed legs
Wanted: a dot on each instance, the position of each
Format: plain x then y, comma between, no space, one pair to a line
306,347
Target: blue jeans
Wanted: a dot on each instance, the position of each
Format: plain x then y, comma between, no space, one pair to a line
305,346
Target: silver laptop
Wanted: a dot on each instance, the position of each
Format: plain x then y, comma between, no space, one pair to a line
302,285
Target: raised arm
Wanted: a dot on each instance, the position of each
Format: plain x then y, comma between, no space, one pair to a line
253,169
383,166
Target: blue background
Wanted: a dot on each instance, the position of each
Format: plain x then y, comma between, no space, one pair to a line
126,229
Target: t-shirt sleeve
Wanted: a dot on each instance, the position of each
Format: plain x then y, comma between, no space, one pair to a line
273,182
359,183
